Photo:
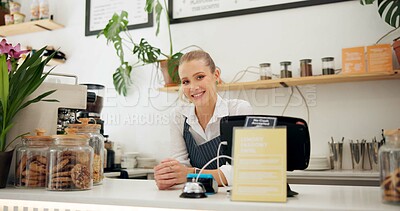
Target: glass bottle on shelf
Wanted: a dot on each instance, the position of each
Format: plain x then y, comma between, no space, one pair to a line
265,71
35,10
96,140
286,69
305,67
44,9
389,162
70,163
328,66
31,160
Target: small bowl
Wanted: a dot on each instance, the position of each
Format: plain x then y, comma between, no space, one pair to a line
9,19
15,7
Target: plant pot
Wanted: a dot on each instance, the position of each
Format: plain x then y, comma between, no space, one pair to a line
5,163
163,64
396,48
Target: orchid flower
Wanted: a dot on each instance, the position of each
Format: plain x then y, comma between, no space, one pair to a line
13,53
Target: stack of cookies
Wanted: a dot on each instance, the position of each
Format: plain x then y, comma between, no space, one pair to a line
391,186
70,170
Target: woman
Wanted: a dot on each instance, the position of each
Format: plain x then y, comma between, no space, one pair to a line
195,134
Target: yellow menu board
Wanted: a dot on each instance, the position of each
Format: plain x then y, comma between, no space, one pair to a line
380,58
259,165
353,60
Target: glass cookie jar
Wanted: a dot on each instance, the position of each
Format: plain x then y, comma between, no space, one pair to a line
389,160
31,160
70,163
96,140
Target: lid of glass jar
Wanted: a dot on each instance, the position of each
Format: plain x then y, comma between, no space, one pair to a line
265,64
395,132
286,63
327,59
306,60
85,124
39,136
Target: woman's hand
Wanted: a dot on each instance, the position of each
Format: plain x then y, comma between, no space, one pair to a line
169,173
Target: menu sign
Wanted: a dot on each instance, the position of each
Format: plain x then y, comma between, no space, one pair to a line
99,12
259,165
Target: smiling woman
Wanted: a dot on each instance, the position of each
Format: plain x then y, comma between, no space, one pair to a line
195,135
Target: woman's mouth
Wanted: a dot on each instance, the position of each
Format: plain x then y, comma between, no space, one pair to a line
198,95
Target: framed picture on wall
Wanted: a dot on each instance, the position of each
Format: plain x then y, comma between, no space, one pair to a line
195,10
99,12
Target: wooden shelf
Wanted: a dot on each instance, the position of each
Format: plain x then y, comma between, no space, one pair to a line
29,27
286,82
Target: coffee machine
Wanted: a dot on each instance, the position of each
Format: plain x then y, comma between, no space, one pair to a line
94,105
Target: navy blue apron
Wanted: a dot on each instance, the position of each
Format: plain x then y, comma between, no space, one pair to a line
199,155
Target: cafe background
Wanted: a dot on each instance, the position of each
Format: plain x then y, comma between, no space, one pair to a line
140,121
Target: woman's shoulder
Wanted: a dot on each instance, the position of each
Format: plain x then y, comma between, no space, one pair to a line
238,106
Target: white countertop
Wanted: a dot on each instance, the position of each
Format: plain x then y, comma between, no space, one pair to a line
144,193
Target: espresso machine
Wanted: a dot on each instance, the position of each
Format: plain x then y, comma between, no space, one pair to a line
94,105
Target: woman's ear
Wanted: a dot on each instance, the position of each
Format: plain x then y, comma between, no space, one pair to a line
217,73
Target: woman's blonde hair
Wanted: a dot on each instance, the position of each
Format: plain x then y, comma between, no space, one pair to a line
196,55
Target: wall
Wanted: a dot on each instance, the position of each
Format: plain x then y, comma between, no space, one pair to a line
140,121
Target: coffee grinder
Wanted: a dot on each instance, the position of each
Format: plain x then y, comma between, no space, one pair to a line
94,105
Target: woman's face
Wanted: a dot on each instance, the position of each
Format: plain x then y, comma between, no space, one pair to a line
198,83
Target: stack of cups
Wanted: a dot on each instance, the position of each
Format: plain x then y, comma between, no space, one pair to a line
336,154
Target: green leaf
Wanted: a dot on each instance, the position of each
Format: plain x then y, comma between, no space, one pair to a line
121,78
149,6
115,25
158,10
173,64
389,10
4,86
364,2
146,53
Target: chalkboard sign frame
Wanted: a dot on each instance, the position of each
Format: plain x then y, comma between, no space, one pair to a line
266,8
149,23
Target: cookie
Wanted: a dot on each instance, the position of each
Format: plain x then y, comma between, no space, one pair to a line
80,175
60,165
37,167
21,165
61,174
61,179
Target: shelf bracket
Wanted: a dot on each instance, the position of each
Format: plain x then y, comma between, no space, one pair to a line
283,84
45,28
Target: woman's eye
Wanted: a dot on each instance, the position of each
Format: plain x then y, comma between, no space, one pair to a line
200,77
185,82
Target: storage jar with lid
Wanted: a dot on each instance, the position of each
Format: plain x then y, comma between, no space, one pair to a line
389,162
305,67
265,71
328,66
96,140
31,160
286,69
70,163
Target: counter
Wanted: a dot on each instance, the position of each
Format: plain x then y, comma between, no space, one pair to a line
131,194
334,177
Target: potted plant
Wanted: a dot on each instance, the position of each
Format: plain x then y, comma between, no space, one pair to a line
389,10
116,31
17,82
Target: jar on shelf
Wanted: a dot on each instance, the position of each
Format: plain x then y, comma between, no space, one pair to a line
305,67
328,66
96,140
389,162
70,163
265,71
31,160
286,69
